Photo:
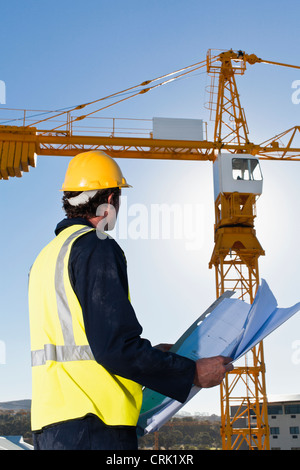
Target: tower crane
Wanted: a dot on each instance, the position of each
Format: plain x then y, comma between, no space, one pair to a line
237,184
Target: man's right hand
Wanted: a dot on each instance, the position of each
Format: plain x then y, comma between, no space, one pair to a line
211,371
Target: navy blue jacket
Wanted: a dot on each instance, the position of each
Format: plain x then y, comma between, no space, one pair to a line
98,274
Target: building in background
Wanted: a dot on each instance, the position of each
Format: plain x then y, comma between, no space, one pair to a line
14,443
283,419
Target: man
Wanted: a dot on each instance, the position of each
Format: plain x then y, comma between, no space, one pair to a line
89,362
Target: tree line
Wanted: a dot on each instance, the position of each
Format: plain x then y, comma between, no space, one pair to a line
16,423
188,433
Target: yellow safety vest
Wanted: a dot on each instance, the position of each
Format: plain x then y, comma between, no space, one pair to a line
67,382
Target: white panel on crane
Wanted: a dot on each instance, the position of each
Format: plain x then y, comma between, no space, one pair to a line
177,129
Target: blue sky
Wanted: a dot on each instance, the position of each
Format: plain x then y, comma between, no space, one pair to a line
62,53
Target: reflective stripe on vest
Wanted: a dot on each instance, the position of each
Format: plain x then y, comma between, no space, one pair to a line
67,382
61,354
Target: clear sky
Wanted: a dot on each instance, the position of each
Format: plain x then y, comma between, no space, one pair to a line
62,53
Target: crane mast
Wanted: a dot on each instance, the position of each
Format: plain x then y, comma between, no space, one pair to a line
235,260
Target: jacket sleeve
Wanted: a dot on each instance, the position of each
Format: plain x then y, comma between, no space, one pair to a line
98,273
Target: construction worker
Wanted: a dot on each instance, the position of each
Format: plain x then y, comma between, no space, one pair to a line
89,362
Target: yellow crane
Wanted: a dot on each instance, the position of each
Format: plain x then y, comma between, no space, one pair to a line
237,185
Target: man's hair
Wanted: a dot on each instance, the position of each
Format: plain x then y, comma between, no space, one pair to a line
88,209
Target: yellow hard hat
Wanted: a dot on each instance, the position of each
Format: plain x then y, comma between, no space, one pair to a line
93,170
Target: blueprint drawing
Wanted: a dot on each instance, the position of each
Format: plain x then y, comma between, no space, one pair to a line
230,327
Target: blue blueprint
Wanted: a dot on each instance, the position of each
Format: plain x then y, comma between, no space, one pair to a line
230,327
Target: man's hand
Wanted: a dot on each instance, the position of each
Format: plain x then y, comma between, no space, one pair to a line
211,371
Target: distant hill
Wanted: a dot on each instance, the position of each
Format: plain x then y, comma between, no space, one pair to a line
16,405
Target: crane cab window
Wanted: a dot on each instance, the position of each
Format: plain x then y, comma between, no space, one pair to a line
246,169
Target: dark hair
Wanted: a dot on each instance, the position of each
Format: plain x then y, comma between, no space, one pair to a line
88,209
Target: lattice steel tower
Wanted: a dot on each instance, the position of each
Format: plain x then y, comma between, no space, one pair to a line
237,184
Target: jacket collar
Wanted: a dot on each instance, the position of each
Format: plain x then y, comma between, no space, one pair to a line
69,222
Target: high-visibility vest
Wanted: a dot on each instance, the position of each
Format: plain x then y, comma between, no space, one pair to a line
67,382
